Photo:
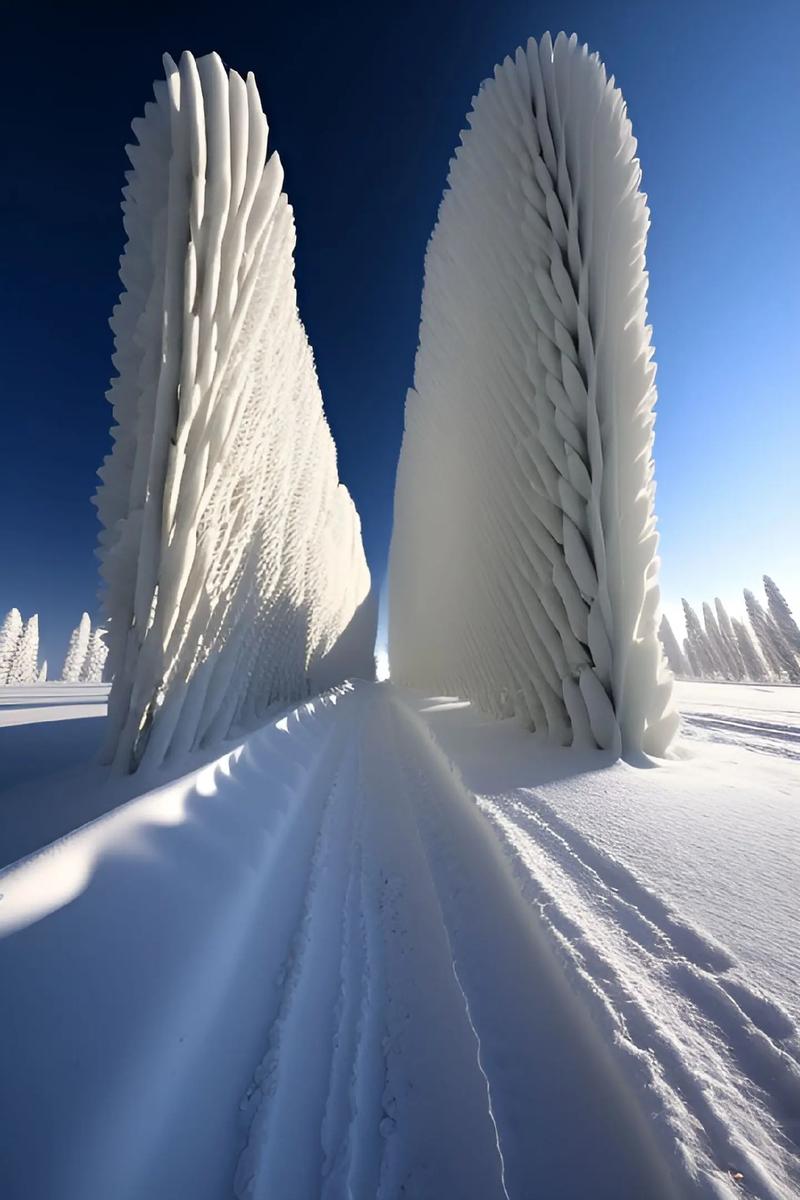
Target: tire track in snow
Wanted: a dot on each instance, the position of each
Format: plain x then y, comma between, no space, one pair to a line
711,1048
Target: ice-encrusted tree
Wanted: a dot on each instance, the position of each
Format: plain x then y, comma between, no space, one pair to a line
10,633
707,663
230,553
728,636
96,654
782,615
754,667
523,571
76,651
42,676
23,667
777,653
724,659
692,659
677,662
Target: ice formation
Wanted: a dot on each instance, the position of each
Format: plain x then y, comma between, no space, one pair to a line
230,552
523,569
77,650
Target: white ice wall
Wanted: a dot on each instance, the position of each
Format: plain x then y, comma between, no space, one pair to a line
523,568
230,552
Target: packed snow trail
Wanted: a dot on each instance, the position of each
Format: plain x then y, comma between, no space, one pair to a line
335,963
427,1044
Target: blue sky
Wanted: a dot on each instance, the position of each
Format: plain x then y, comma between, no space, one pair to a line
365,104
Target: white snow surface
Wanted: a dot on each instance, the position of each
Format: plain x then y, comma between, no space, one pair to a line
235,577
523,566
385,946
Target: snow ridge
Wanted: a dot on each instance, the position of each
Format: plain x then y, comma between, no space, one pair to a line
523,567
231,554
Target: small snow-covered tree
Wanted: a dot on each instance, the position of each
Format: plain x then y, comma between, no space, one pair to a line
704,657
95,658
754,667
782,615
76,652
729,638
42,676
10,633
23,668
677,663
692,659
777,653
725,661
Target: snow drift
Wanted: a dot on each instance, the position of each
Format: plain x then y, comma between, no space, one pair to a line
231,554
523,568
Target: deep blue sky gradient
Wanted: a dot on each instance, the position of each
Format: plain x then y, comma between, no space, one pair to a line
365,104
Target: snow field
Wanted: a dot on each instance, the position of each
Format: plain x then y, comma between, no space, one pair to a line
301,970
707,1037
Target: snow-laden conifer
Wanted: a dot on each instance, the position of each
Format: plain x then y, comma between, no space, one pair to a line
231,554
523,568
76,651
777,654
10,633
782,615
754,667
674,655
96,654
23,667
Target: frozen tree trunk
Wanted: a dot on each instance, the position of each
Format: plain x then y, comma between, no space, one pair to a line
76,651
10,633
782,615
523,570
677,663
221,509
23,667
753,663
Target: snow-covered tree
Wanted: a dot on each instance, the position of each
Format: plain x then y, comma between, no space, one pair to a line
96,655
677,663
42,676
725,661
692,659
76,652
707,664
754,667
10,633
23,667
782,615
777,654
231,554
729,638
523,570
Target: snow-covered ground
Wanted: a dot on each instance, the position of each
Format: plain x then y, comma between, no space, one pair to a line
386,947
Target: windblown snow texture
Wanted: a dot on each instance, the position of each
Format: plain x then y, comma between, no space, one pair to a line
523,570
231,554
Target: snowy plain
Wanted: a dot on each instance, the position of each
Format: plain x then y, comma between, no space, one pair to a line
385,946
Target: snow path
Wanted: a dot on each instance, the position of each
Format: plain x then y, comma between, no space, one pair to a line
335,963
426,1044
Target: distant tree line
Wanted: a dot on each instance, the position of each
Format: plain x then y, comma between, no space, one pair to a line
19,652
764,648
